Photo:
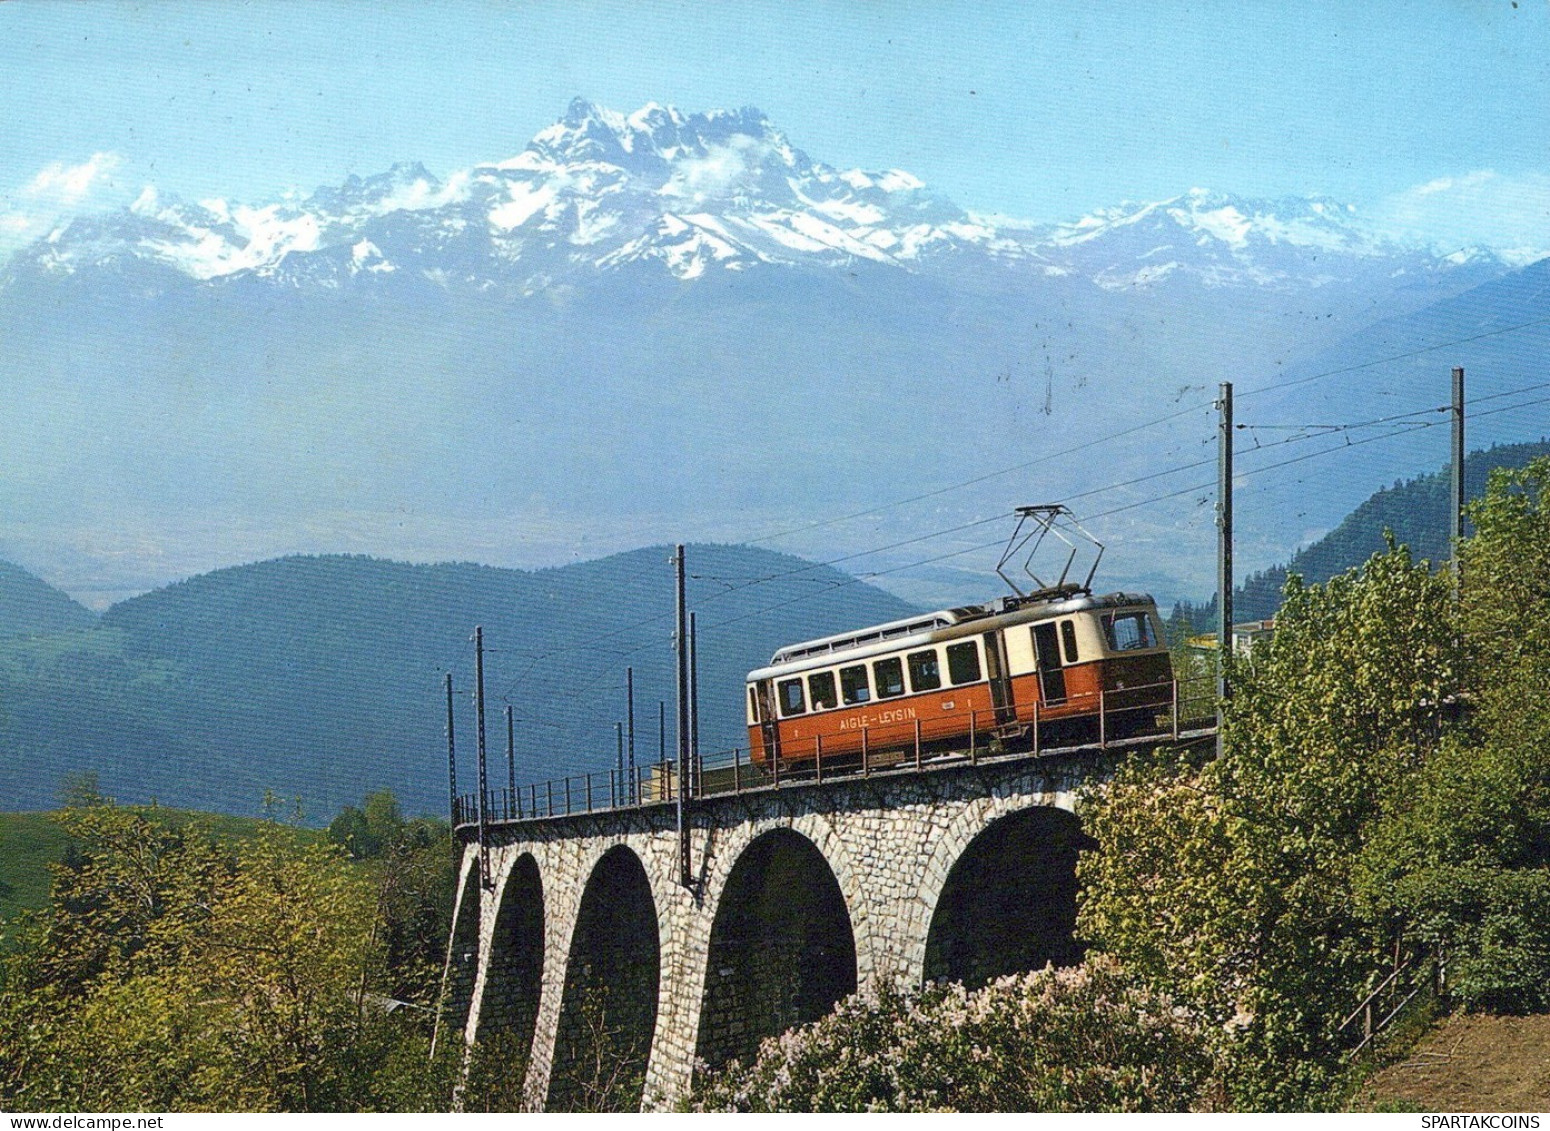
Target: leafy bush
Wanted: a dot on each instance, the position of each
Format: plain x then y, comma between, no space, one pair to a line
1081,1039
1349,817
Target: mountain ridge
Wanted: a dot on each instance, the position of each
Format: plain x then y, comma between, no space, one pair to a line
30,605
628,352
702,192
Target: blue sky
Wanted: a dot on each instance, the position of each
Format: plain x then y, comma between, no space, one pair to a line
1432,115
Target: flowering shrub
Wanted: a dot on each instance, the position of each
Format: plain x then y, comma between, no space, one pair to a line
1085,1038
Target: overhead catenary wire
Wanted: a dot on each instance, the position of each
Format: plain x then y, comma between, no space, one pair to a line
1073,450
808,567
1404,356
1305,432
862,578
595,640
1332,450
985,478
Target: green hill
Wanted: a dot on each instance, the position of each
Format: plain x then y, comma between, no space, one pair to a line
30,605
1416,510
29,843
322,676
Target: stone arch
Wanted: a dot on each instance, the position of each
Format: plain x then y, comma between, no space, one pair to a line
782,949
1008,903
513,978
609,1005
855,881
462,969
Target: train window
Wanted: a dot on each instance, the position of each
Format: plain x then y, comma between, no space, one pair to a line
791,701
1129,631
820,685
963,662
1068,639
853,685
925,671
753,705
889,675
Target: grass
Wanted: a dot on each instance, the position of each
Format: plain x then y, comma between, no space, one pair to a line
1467,1063
29,843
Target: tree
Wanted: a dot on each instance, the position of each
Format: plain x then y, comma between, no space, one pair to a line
411,862
1230,880
171,972
1461,861
377,826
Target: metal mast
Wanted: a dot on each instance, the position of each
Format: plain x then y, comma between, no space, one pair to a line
484,782
451,755
681,642
1223,549
1456,511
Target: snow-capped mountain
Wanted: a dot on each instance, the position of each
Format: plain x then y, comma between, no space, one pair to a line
650,324
597,190
688,195
1222,240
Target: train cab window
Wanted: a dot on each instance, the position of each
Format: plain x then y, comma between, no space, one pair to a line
820,686
963,662
791,700
1068,640
853,685
1128,632
889,676
753,705
925,671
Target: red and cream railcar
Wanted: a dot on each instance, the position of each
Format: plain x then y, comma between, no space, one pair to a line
1028,669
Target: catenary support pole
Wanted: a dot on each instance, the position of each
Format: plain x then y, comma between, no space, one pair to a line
451,754
629,694
1456,510
1223,550
694,692
618,764
484,782
511,759
681,645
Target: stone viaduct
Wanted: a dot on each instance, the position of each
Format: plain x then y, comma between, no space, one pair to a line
575,940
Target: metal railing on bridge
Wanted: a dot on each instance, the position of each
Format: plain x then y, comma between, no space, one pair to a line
1186,714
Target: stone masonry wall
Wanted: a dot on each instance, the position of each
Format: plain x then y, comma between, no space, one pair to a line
890,842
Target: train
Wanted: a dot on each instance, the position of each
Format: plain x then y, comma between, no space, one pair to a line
1059,666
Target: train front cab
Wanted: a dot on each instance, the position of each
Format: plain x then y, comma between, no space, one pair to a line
1109,658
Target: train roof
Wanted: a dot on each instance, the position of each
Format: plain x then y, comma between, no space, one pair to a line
877,638
845,641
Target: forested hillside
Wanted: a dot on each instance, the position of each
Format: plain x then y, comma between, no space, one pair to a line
1415,510
321,677
28,605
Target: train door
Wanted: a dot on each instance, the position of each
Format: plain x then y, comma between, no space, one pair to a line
1052,677
1000,685
767,722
